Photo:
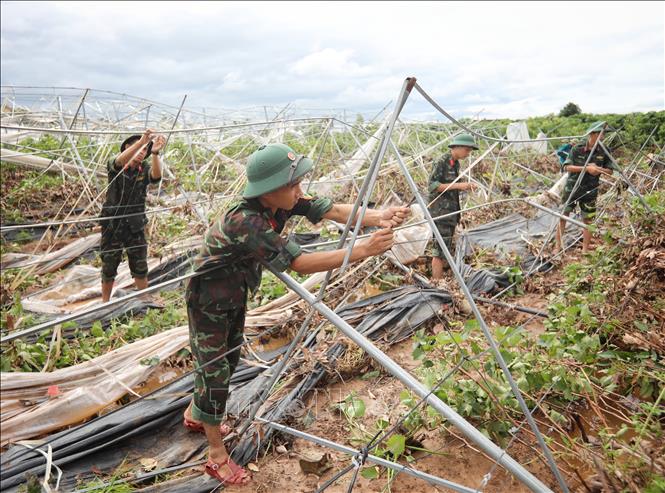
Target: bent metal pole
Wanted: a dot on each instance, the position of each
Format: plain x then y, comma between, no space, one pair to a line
363,197
491,449
615,167
481,321
372,172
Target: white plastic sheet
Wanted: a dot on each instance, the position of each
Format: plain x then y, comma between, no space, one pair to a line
518,131
52,261
83,282
83,389
91,386
540,147
410,243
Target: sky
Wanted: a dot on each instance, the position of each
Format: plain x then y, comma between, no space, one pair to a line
509,60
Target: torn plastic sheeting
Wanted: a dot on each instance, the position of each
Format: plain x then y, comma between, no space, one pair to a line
88,281
84,389
161,436
507,234
137,430
52,299
141,420
266,318
398,314
28,386
520,131
541,146
129,308
410,243
274,313
106,442
52,261
81,276
82,282
406,308
511,233
485,281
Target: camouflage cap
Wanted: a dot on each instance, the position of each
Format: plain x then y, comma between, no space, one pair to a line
272,166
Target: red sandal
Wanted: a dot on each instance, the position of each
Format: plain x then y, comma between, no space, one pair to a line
238,475
194,426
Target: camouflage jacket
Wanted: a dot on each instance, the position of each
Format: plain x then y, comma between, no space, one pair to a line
244,234
445,170
127,191
577,157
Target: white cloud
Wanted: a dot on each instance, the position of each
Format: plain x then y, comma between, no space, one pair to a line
376,93
511,58
329,63
233,81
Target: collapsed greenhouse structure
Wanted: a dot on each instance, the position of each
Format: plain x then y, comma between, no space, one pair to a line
96,423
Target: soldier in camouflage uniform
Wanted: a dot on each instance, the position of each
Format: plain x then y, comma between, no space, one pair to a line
230,266
129,175
591,166
444,196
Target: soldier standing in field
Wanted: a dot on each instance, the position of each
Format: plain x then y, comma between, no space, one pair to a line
235,247
129,174
590,166
444,196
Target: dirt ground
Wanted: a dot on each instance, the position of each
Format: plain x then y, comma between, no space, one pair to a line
454,459
450,456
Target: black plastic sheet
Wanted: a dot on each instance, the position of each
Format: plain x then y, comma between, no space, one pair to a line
152,427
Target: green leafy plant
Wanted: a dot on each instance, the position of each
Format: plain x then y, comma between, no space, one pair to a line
352,406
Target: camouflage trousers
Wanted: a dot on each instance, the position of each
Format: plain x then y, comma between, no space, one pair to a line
214,328
447,231
585,198
116,237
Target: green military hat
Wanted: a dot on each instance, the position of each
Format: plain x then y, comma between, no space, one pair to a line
596,127
272,166
465,140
